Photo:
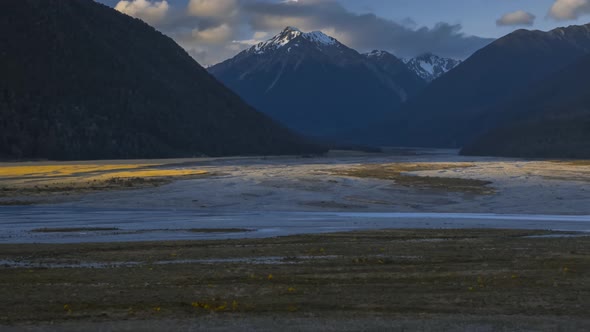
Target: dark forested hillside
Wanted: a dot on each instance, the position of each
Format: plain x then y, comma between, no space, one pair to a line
81,81
550,120
462,104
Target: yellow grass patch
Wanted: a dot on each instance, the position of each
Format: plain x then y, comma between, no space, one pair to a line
35,180
62,170
148,173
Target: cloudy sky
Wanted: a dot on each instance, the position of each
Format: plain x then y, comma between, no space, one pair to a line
214,30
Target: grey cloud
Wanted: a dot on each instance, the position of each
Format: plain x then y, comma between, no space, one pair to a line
519,17
212,37
148,11
569,9
200,28
364,31
212,8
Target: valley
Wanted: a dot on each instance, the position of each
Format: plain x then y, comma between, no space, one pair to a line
408,181
297,165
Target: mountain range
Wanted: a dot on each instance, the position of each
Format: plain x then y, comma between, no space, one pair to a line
316,85
83,81
472,99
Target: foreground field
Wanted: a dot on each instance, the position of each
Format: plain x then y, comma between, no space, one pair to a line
506,278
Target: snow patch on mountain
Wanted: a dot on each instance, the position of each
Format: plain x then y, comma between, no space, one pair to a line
376,54
320,38
430,66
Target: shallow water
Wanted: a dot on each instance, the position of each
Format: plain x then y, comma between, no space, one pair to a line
17,223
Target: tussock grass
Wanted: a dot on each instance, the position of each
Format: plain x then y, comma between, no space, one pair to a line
390,272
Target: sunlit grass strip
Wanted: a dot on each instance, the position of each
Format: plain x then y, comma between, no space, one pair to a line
63,170
39,180
148,173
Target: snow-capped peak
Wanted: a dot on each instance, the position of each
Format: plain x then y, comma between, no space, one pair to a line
278,41
289,34
291,28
